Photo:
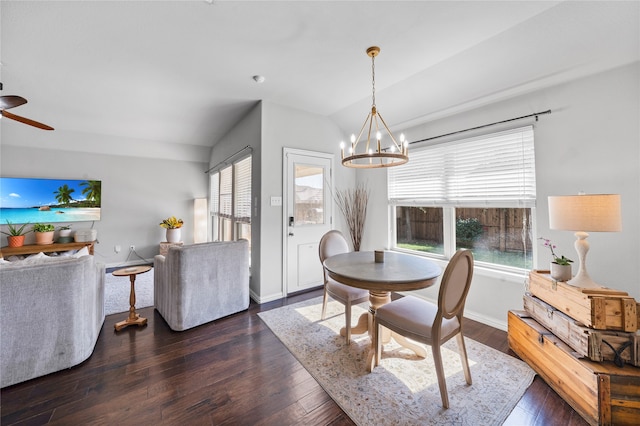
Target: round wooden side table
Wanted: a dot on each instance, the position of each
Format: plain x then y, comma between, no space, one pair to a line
133,318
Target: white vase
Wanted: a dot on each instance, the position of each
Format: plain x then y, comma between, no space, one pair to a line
560,272
173,235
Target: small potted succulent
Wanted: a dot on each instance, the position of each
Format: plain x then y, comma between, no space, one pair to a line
44,233
15,236
64,234
172,225
561,266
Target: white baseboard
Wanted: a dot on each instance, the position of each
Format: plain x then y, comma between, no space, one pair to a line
270,298
134,262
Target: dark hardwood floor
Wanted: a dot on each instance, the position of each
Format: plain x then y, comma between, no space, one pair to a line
233,371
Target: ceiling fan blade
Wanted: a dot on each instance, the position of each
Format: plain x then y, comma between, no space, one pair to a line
26,121
11,101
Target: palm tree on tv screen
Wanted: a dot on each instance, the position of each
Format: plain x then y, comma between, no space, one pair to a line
63,194
92,190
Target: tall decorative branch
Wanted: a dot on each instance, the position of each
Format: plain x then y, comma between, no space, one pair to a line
353,205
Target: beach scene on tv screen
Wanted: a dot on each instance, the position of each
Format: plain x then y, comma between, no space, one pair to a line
25,200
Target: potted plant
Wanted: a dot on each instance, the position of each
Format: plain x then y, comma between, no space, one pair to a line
44,233
561,266
15,236
64,234
172,225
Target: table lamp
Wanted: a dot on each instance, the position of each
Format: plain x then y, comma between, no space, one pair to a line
582,213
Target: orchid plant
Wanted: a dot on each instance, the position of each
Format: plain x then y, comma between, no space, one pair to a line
171,223
559,260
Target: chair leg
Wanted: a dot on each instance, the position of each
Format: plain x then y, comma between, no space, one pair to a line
347,314
377,342
324,304
442,384
463,357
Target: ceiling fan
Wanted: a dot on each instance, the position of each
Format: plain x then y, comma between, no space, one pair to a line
12,101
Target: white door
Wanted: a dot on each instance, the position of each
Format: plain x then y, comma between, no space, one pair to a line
308,212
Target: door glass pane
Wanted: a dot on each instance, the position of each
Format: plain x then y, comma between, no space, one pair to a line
308,205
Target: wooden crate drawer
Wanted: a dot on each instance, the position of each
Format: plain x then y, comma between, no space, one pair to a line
600,392
587,342
600,308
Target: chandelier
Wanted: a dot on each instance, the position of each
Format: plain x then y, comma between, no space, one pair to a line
374,153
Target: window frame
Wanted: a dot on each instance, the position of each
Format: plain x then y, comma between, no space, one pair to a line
449,212
222,221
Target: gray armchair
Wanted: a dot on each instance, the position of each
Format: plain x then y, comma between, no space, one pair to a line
199,283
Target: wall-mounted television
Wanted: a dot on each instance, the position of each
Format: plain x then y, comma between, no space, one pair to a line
32,200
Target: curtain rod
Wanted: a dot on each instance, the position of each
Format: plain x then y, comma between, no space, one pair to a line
536,114
228,158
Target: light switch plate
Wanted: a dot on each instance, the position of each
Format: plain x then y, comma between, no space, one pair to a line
276,201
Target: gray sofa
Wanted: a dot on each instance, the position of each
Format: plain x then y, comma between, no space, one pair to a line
51,311
199,283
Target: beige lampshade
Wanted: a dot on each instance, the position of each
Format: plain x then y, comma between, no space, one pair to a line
589,213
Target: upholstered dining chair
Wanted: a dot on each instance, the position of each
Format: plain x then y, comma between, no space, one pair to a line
332,243
433,325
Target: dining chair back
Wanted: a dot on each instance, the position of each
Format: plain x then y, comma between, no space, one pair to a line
432,324
331,244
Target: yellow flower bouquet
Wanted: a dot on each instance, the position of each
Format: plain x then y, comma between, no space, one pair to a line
171,223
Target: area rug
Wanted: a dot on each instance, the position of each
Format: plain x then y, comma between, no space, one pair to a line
403,389
117,290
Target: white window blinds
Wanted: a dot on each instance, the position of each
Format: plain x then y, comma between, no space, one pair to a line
243,190
231,191
226,192
496,170
215,193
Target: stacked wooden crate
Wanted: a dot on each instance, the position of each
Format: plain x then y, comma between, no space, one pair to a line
585,343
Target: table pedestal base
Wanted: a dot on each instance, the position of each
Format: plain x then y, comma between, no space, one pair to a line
136,320
365,324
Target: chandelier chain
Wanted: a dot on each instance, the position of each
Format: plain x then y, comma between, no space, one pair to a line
373,81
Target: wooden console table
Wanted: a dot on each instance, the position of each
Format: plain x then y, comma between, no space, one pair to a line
45,248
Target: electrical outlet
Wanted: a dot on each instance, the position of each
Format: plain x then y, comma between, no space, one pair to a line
132,248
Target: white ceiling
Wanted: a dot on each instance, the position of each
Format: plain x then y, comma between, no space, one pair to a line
179,73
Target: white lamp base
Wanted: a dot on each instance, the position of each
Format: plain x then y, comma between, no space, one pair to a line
582,279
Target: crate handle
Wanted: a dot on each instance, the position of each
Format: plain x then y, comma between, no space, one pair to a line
617,358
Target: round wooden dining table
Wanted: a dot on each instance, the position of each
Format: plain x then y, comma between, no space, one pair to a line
396,272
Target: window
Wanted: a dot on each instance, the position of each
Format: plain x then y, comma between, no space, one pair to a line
231,201
476,193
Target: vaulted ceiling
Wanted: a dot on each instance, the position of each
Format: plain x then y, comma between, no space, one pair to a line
177,75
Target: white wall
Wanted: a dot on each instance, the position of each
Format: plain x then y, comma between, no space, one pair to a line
268,129
590,142
285,127
137,193
247,132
